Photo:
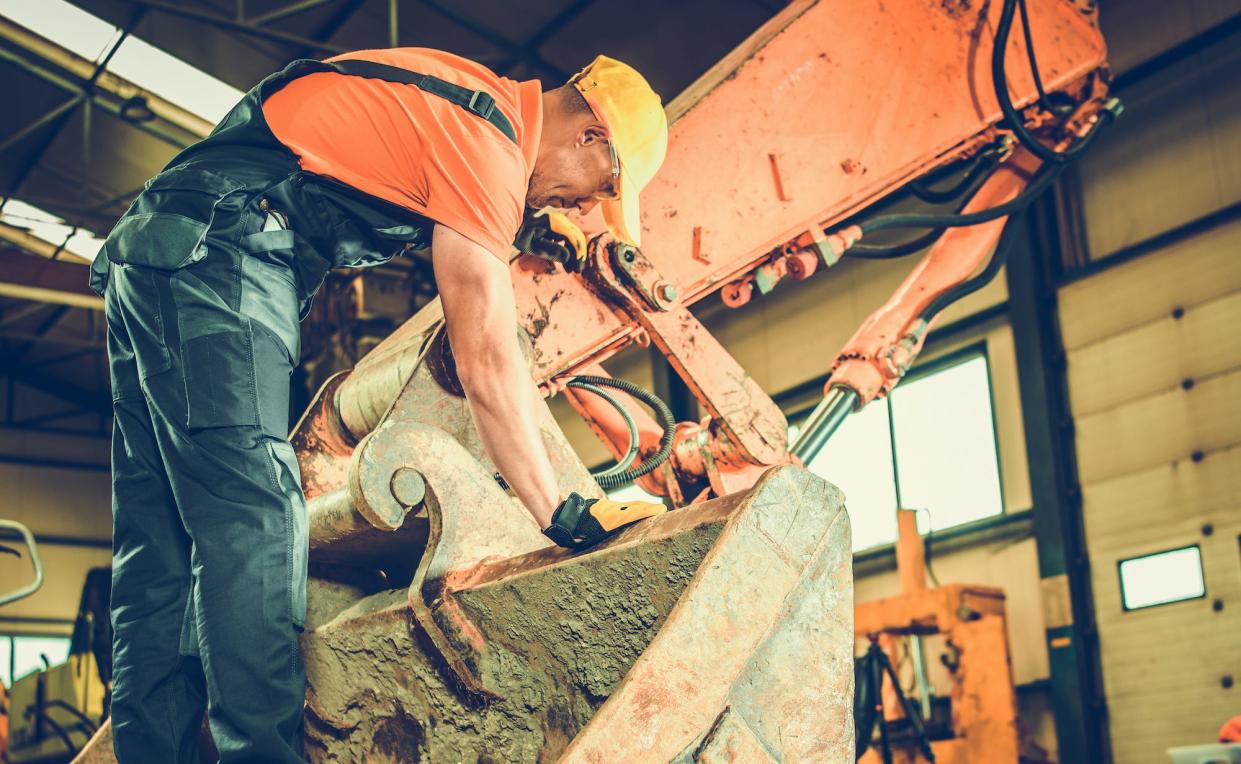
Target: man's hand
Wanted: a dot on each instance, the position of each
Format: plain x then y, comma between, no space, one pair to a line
481,316
578,523
552,236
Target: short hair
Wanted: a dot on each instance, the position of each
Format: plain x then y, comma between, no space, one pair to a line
573,101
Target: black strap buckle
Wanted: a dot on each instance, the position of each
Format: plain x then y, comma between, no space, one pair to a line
481,104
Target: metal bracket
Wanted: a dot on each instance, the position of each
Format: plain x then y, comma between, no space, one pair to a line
637,273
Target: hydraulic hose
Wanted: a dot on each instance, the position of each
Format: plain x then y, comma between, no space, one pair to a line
892,251
1044,178
609,479
630,424
1006,102
982,169
1038,79
968,287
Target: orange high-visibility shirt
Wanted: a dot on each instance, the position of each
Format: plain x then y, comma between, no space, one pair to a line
418,150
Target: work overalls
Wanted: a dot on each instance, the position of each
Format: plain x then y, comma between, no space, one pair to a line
204,281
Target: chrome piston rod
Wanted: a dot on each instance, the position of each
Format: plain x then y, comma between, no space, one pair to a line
823,423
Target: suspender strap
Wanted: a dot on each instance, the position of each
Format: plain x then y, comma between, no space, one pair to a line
474,101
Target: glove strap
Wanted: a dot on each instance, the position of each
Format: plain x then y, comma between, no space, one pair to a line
563,527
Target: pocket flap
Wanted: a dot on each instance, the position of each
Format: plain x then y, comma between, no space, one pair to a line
166,227
163,240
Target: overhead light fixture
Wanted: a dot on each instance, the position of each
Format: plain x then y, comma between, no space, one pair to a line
136,110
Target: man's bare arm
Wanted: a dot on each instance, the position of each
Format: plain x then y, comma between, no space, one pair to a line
477,294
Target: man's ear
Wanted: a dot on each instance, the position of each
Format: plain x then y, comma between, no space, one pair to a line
592,134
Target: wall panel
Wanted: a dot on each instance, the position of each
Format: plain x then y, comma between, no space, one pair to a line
1158,356
1167,500
1160,428
1133,186
1154,372
1188,273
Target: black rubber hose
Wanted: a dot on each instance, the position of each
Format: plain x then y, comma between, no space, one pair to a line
666,421
982,167
1010,112
1044,178
968,186
1038,79
892,251
90,725
965,288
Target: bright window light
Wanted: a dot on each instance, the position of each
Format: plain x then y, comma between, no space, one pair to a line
946,459
50,228
136,60
1158,579
6,660
943,459
858,461
174,80
63,23
28,653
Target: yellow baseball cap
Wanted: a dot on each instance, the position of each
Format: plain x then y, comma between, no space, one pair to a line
634,115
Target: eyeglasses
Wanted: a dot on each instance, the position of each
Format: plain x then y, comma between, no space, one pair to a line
615,161
615,171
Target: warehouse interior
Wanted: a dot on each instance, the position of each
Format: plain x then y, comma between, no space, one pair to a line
1069,434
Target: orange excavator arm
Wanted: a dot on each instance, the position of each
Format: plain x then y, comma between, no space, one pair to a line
799,131
774,155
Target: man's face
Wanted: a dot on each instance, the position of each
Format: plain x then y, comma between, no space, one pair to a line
574,176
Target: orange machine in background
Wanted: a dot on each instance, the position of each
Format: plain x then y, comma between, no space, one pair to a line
971,620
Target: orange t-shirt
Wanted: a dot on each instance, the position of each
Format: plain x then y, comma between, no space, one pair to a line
418,150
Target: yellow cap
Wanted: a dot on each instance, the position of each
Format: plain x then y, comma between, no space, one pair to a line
622,100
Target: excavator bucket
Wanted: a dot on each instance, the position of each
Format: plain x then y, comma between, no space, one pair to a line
443,626
721,632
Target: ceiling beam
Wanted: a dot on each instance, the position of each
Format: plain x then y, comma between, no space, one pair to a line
287,10
64,114
70,72
92,402
517,52
232,25
28,277
331,26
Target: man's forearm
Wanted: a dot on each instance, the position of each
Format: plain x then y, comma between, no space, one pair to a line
502,399
481,315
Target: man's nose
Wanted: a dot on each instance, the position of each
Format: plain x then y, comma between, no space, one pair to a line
586,205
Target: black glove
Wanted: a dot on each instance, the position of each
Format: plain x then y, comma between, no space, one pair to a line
578,523
552,236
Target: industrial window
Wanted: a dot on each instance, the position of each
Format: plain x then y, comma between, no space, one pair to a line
21,654
135,60
929,446
1162,578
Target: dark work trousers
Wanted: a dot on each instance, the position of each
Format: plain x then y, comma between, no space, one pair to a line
209,534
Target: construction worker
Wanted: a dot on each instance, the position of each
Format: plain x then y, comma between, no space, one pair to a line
326,164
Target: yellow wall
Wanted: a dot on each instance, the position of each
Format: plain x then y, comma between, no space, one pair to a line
1138,429
1154,370
67,502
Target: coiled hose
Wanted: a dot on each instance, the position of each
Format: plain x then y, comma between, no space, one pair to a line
611,478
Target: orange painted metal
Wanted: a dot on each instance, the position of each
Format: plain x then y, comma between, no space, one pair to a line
852,99
822,112
884,346
972,620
